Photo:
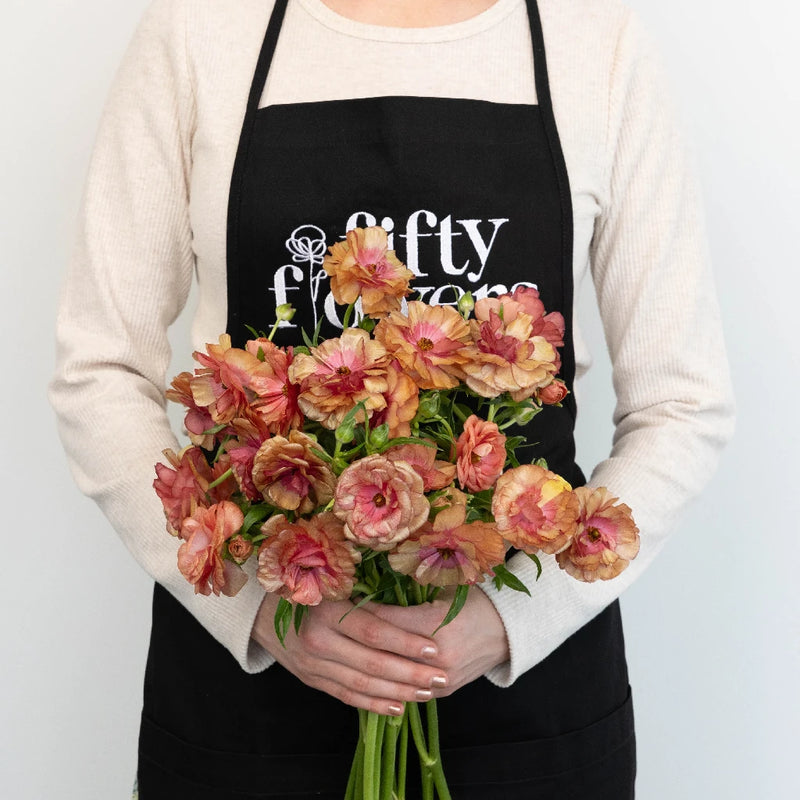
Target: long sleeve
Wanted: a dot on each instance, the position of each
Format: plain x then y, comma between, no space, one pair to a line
129,278
674,408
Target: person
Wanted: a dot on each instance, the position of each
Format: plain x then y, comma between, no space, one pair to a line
501,144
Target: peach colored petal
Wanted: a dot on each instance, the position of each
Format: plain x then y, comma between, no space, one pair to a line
481,454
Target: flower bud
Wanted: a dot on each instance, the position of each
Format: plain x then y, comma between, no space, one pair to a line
525,415
284,312
428,406
240,549
466,304
346,432
553,393
379,436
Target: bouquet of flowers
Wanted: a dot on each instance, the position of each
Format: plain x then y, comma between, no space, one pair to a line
374,466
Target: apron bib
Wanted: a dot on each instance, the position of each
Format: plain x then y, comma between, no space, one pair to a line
475,196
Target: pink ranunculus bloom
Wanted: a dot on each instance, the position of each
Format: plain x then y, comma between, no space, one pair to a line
481,454
198,420
450,551
607,538
183,487
201,558
307,561
339,374
276,400
240,549
250,432
505,356
229,380
435,474
535,509
289,474
428,343
381,502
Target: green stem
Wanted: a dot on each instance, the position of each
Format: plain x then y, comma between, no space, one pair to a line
402,758
433,737
492,410
391,732
362,727
222,478
369,756
415,721
378,777
347,314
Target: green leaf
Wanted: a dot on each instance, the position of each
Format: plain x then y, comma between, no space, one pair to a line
540,462
363,601
538,563
283,618
508,578
255,515
300,611
256,334
458,603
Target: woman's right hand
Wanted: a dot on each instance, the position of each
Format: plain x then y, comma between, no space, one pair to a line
363,660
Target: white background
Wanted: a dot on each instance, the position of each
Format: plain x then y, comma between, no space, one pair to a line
712,629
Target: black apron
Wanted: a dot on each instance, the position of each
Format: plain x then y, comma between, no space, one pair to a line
476,197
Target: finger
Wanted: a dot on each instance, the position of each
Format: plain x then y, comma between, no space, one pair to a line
378,705
330,646
380,633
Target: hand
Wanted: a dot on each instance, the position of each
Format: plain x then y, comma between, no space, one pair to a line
469,646
364,661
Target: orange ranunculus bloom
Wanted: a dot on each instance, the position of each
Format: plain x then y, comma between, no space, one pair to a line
506,357
200,557
481,452
307,561
363,266
535,509
607,538
435,474
339,374
429,343
402,402
183,487
290,475
380,501
450,551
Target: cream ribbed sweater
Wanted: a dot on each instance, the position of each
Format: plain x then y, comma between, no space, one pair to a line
154,218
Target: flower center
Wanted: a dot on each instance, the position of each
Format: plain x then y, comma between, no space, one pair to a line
425,343
343,370
372,268
475,458
379,500
446,554
593,534
285,390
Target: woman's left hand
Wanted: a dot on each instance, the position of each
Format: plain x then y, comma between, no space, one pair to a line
469,646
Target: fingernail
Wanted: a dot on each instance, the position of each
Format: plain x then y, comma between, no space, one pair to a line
439,682
395,709
424,694
428,651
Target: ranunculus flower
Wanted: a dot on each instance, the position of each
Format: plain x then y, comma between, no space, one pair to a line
428,343
535,509
184,486
505,355
381,502
553,393
307,561
363,266
607,538
197,420
402,402
200,557
435,474
450,551
240,549
481,454
339,374
290,475
229,380
276,398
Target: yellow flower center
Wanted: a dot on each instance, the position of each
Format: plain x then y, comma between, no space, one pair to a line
371,268
343,370
593,534
285,390
425,343
379,500
475,458
446,554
